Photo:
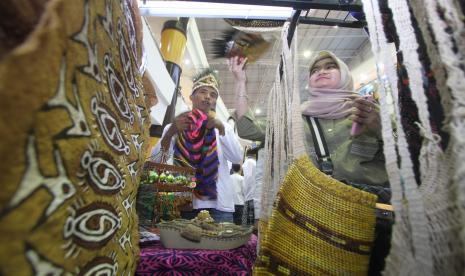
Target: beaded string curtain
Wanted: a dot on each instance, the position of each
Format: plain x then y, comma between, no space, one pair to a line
270,184
297,214
74,130
428,236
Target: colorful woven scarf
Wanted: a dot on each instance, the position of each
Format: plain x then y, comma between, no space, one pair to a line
197,147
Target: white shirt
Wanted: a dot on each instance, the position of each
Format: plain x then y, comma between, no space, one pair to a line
249,177
238,182
257,198
228,148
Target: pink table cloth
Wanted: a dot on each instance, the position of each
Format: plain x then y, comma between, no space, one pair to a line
158,260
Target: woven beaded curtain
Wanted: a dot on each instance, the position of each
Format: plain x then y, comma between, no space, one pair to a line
429,231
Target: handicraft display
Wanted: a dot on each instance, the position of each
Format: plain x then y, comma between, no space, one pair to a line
202,233
172,189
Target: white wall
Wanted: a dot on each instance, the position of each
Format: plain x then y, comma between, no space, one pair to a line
163,82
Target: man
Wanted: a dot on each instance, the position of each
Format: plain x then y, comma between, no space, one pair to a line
238,183
249,189
218,144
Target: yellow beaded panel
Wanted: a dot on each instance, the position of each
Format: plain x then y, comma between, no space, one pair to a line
318,226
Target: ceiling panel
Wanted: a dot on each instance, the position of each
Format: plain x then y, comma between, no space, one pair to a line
344,42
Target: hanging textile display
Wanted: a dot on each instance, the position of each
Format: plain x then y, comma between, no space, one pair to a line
74,130
402,179
429,217
317,225
270,32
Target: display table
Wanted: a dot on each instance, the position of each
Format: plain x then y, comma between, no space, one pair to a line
158,260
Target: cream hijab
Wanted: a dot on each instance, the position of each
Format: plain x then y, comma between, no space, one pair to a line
330,103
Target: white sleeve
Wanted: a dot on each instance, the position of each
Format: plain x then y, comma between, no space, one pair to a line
230,145
257,198
155,153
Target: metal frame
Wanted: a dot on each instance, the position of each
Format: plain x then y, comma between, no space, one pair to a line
339,5
330,5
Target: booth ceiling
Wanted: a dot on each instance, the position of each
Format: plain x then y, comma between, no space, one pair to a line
316,31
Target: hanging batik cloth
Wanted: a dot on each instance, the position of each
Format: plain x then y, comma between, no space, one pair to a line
74,130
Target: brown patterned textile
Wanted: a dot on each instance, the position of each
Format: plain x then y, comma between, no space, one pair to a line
17,20
74,127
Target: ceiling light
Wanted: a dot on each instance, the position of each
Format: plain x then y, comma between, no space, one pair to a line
335,26
307,53
187,61
212,10
363,77
258,111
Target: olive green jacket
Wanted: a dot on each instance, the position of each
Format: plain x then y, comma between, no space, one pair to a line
355,159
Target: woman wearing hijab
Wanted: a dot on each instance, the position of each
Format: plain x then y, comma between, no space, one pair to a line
352,155
354,159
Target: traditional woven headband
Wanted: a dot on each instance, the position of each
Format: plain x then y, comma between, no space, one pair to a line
206,78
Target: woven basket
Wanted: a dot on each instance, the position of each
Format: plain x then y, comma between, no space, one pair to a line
318,226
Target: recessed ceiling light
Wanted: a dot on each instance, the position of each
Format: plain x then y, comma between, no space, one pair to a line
307,53
335,26
187,61
258,111
363,77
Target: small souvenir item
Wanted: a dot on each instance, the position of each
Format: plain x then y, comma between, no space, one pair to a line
153,177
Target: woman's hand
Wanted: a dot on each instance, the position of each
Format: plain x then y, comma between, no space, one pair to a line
366,113
236,66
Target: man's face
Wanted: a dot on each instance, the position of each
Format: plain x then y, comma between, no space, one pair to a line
325,74
204,98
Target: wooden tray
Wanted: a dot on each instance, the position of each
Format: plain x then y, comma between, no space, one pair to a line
164,187
149,165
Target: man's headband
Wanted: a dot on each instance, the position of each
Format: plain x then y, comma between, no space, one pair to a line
205,78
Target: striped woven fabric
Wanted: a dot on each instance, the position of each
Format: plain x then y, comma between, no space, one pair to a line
197,147
318,226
